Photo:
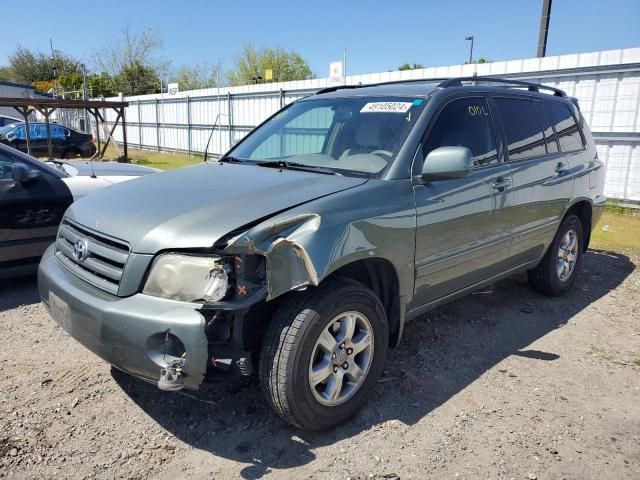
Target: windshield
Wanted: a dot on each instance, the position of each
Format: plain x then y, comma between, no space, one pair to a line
7,128
360,135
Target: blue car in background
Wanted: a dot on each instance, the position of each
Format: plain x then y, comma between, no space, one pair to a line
65,142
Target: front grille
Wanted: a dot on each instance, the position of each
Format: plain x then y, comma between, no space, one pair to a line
105,256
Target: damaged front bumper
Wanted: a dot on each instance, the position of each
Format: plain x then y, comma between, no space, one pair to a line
140,334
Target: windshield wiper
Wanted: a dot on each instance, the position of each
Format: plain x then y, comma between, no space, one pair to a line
232,159
296,166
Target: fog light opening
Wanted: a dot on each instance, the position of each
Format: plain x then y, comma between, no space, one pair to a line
164,348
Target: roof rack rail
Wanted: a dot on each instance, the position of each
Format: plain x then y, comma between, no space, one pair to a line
379,84
338,87
532,87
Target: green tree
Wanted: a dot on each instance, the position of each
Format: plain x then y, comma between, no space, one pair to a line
132,62
137,79
100,85
198,76
480,60
5,74
408,66
30,66
252,62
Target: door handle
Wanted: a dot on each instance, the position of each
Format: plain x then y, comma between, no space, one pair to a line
561,168
501,183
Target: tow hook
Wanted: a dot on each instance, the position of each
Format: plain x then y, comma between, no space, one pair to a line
171,378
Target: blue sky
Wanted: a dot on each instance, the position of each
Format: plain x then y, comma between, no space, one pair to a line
378,35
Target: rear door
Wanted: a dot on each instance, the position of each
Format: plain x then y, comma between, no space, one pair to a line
571,142
30,212
542,180
462,235
39,145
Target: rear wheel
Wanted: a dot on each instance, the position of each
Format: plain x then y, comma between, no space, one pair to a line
323,354
557,271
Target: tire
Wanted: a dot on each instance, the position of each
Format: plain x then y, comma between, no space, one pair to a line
549,278
292,341
70,154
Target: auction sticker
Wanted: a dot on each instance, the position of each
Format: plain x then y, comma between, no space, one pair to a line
393,107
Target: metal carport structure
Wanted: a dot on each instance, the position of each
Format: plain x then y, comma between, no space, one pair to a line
46,106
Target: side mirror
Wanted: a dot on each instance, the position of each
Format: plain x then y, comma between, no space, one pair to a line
21,172
446,163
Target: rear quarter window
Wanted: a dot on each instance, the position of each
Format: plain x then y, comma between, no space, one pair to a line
565,125
57,132
547,128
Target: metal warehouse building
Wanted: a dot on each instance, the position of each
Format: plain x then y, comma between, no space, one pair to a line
606,83
14,90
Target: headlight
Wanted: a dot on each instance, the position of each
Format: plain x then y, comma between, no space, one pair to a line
188,278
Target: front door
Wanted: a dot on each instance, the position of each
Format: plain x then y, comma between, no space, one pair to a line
463,225
30,212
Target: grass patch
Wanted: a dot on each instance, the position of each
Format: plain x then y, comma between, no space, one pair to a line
164,160
161,160
617,231
617,206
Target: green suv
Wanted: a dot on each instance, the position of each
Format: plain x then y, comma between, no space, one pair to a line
302,253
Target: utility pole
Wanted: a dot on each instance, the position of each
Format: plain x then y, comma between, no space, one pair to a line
544,28
219,119
87,128
344,66
55,68
470,49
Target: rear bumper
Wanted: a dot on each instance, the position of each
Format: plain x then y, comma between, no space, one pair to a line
139,334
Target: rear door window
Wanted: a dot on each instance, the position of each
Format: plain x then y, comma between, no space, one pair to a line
465,122
521,127
39,132
566,127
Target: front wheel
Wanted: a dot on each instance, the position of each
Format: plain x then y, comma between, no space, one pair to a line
323,354
556,272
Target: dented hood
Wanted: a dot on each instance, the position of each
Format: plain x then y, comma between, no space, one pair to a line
193,207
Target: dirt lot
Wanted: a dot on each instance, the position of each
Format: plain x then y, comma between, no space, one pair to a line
502,384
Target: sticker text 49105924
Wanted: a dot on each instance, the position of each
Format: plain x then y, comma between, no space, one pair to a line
386,107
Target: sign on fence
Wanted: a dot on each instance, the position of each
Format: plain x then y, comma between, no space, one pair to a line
336,72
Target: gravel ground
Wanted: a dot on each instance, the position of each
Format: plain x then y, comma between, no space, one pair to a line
502,384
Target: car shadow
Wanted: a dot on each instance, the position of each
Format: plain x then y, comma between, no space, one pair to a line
15,292
442,353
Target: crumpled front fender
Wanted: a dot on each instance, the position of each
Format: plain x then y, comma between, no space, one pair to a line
288,264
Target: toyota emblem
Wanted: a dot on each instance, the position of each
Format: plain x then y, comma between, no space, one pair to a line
80,250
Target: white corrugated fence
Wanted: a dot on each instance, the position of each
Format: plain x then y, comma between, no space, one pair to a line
607,85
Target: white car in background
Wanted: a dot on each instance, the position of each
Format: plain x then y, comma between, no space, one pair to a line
85,176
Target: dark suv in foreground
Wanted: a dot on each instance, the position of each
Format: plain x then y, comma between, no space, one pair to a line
310,244
65,142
